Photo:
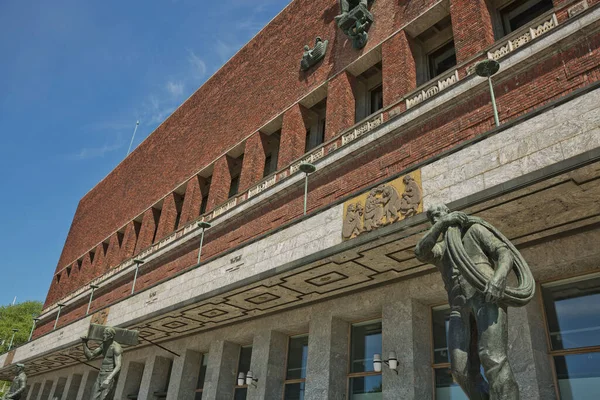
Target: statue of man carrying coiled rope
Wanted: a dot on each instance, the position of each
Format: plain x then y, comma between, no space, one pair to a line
475,259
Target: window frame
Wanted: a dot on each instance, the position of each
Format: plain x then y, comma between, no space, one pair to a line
563,280
350,375
505,16
287,357
237,371
203,356
428,57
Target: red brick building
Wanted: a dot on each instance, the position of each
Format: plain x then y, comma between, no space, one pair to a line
273,280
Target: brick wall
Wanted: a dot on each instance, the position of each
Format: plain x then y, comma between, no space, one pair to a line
558,74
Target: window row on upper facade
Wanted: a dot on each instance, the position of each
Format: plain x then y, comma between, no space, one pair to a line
270,149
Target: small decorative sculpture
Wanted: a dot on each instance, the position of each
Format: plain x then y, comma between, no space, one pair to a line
111,364
314,55
411,198
354,21
475,259
17,387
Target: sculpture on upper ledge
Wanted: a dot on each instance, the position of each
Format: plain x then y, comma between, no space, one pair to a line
354,20
314,55
18,385
475,260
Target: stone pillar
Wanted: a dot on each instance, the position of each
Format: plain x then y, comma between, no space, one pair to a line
341,104
87,384
71,387
254,161
528,352
47,387
327,364
268,365
52,390
399,71
58,388
184,376
406,330
35,390
155,377
221,180
293,135
221,370
149,224
171,209
130,379
129,240
192,201
471,26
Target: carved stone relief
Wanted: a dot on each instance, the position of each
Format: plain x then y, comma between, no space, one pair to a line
383,205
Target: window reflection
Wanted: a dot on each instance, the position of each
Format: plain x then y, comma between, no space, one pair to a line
578,376
365,341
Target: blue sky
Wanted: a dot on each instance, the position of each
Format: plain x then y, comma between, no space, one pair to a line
74,77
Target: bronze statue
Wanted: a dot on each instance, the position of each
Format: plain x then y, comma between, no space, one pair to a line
314,55
475,259
17,387
111,364
354,20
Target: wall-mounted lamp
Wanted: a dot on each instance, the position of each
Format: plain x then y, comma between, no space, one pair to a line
137,263
241,380
486,69
93,287
250,379
308,169
35,321
12,338
391,362
204,226
60,306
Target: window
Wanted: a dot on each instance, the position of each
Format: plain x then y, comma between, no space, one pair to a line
376,96
519,13
442,59
573,323
205,192
235,170
368,92
445,387
296,368
241,391
271,147
365,341
315,125
234,186
201,376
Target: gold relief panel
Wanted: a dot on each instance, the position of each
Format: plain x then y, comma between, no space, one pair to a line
383,205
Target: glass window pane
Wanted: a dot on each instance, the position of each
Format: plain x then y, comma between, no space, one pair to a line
442,59
366,341
294,391
202,373
240,394
245,357
297,356
578,376
366,388
440,336
198,396
573,314
446,388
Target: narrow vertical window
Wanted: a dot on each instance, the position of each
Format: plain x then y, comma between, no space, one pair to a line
240,391
201,377
365,341
296,368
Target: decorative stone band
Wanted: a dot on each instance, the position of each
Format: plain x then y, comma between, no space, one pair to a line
309,159
430,91
362,129
262,186
225,207
577,8
538,29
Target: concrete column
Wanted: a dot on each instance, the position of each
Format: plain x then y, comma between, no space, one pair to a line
399,71
71,387
406,330
471,26
184,376
268,365
130,379
254,161
327,364
528,352
341,107
47,386
221,370
221,180
87,384
155,377
293,135
35,390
